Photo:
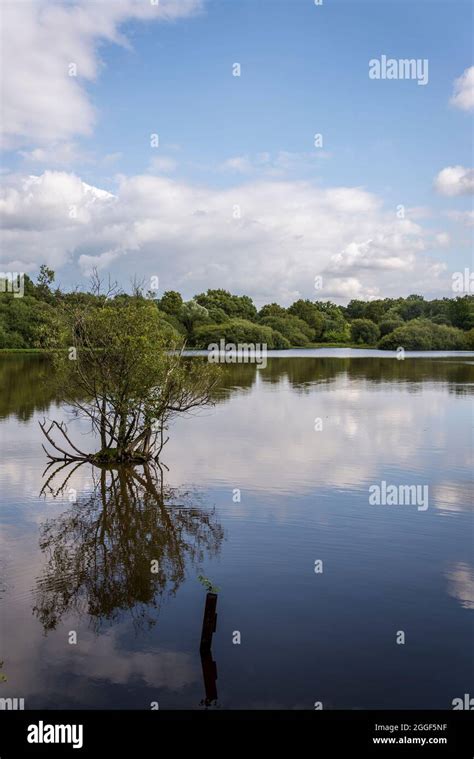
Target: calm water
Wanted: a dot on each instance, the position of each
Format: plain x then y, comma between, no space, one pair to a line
78,559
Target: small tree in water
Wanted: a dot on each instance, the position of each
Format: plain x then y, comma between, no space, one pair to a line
131,378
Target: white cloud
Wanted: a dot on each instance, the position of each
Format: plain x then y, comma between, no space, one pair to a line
162,165
240,164
455,180
56,154
288,233
464,217
41,102
88,264
277,165
442,239
64,155
463,96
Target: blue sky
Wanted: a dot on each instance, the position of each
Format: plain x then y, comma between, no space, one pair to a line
304,70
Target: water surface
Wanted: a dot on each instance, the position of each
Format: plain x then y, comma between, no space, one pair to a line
271,480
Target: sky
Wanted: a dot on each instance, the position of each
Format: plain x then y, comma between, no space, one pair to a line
240,144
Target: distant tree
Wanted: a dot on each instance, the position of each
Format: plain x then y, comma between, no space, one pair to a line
355,309
387,325
192,314
43,283
240,306
218,315
171,303
469,340
423,335
412,307
461,312
296,331
335,327
364,331
271,309
375,310
310,313
238,331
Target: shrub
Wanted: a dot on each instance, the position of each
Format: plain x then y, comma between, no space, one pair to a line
311,314
171,303
341,335
469,340
296,331
11,339
389,325
236,331
280,342
235,306
177,327
218,315
421,334
364,331
271,309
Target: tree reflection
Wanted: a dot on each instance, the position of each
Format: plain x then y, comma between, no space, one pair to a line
124,547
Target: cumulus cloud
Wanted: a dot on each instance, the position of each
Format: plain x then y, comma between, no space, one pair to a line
50,51
267,238
455,180
56,154
464,217
162,165
276,165
463,95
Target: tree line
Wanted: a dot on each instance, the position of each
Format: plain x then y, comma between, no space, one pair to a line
37,320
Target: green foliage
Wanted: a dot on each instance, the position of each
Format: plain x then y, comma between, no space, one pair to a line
208,584
335,326
341,334
130,372
311,314
178,329
272,309
28,322
469,340
461,312
280,342
240,306
43,283
412,307
171,303
192,314
296,331
421,334
218,315
38,320
364,331
235,331
389,324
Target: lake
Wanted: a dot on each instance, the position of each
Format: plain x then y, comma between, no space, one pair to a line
324,597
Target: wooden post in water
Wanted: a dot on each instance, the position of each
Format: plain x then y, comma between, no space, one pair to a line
209,622
209,668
